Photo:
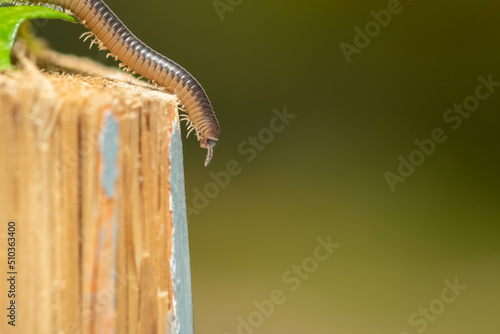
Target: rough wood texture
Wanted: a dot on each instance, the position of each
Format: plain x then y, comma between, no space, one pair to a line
86,174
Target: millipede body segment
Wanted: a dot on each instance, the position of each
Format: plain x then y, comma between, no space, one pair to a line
113,35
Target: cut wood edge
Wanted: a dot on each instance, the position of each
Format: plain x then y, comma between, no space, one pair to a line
70,123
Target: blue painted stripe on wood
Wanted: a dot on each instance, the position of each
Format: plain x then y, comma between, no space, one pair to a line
181,264
109,143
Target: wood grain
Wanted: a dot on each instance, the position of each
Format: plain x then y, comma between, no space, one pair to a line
88,262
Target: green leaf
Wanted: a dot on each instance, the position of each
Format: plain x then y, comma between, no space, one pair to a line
10,20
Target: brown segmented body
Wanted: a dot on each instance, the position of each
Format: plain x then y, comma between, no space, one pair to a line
140,58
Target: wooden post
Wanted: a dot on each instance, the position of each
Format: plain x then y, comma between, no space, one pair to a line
91,175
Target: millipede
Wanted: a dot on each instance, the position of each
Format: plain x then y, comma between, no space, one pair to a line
109,33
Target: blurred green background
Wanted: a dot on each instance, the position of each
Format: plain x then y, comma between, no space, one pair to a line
323,174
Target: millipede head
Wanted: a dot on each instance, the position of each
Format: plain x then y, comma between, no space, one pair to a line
209,144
